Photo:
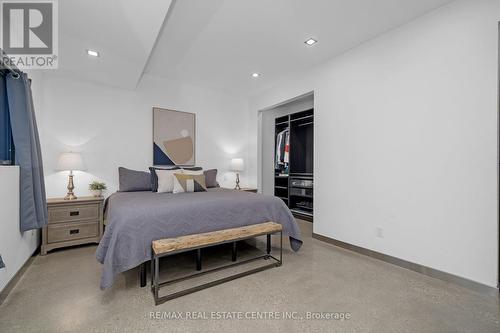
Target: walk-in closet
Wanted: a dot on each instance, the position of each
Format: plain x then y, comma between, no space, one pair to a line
288,134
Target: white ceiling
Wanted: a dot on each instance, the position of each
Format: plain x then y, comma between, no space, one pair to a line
217,43
220,43
123,31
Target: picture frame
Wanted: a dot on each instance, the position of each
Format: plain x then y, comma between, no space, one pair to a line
174,137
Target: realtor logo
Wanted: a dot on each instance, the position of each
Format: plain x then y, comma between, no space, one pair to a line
29,33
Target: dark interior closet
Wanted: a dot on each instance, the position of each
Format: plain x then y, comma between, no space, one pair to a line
294,157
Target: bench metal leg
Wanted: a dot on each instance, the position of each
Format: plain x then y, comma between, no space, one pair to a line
233,257
142,274
281,249
156,278
268,248
198,260
152,264
155,264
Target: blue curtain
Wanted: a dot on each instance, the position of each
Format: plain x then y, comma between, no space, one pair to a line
6,145
28,154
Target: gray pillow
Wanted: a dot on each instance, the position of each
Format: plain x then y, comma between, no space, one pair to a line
132,180
154,177
211,178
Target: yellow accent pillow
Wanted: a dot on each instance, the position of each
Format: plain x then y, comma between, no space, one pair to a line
189,183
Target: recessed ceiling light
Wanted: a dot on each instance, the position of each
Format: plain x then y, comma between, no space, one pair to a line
92,53
311,41
255,74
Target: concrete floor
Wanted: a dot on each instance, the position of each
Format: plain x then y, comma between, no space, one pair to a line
60,293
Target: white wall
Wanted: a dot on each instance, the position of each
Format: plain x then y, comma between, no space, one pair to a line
15,247
406,141
113,127
266,154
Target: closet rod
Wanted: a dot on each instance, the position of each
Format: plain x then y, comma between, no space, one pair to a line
302,118
305,124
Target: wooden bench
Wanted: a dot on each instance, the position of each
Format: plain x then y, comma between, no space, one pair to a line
169,246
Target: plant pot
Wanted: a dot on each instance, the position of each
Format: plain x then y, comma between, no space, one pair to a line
96,193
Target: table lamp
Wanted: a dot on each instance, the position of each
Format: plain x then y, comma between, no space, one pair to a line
237,165
70,162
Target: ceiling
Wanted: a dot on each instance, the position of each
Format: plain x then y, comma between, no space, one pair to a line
218,43
123,31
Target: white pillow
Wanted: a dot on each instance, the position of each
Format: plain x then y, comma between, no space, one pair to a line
191,172
166,180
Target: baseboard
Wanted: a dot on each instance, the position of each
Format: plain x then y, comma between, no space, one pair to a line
15,279
469,284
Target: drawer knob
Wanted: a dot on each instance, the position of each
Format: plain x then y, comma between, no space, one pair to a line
75,213
74,231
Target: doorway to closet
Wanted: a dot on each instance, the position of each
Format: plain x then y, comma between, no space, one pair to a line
287,154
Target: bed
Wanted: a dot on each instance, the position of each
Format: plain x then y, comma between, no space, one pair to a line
135,219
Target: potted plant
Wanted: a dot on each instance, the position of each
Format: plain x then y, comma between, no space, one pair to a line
96,188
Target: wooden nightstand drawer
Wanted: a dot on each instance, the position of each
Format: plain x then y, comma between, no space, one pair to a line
68,213
69,231
72,222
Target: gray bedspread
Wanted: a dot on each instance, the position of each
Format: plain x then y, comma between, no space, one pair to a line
135,219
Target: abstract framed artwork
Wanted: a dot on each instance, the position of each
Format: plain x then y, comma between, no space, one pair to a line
174,137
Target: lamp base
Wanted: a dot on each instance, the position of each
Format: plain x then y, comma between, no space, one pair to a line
237,187
70,195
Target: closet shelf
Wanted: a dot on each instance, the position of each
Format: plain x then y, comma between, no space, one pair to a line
304,187
300,211
302,196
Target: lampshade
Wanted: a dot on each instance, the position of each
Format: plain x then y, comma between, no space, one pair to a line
237,164
70,162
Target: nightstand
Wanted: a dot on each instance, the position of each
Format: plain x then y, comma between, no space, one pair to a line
72,222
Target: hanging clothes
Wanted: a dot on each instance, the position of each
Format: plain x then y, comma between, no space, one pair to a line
282,149
277,151
286,155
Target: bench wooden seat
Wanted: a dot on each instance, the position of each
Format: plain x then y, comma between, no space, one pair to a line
164,247
191,242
